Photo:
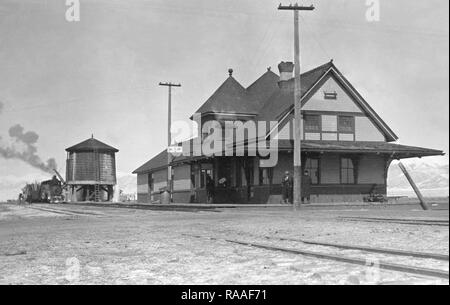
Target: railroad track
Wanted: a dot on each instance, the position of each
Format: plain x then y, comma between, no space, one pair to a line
441,257
150,207
409,221
64,211
341,257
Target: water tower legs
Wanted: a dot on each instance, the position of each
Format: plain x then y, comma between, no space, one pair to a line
90,193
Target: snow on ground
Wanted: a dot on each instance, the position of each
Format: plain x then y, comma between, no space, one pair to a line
92,245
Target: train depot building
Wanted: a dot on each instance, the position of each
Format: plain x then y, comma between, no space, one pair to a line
346,146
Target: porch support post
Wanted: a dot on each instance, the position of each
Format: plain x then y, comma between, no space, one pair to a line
414,186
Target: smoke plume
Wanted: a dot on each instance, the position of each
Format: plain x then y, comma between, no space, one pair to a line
24,148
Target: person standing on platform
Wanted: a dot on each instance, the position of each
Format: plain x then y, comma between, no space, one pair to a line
287,188
209,189
306,188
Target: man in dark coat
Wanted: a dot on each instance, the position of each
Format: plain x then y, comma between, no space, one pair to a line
287,188
306,187
209,189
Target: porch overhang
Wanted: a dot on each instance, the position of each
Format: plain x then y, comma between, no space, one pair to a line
391,150
395,151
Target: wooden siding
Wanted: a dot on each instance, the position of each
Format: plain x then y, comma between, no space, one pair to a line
349,189
81,166
329,123
285,133
69,168
142,184
143,198
182,178
312,136
159,180
330,169
272,194
329,137
371,170
365,130
182,197
346,137
343,102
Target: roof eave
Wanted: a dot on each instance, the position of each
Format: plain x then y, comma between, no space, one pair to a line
91,150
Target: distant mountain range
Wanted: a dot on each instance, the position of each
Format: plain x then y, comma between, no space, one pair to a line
430,177
127,183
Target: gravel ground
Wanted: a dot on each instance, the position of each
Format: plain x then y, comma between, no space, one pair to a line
67,244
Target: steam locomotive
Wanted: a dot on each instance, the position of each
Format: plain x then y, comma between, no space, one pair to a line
49,191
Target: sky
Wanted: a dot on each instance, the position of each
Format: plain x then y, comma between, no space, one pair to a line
65,80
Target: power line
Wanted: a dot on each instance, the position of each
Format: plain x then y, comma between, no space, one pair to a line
314,37
70,101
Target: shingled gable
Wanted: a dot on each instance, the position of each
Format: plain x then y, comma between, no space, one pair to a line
155,162
231,97
91,144
263,88
280,106
159,161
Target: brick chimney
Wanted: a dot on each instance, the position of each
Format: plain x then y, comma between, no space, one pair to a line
286,72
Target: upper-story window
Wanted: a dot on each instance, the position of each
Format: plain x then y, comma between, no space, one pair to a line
312,123
346,124
329,127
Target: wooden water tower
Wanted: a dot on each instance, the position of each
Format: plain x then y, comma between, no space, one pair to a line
91,171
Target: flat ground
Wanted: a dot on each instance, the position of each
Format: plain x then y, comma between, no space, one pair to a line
72,244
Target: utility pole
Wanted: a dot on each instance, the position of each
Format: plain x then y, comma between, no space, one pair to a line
169,138
297,104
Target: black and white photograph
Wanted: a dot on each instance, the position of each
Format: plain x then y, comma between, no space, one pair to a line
223,149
